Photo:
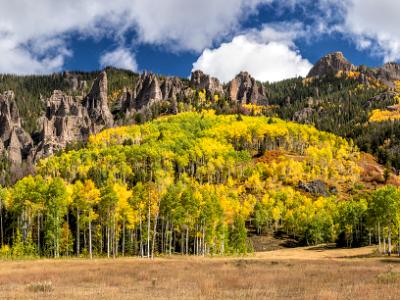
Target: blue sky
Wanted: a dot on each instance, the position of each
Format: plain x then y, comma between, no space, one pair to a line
272,39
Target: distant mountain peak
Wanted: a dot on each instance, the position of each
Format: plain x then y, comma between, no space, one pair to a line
331,63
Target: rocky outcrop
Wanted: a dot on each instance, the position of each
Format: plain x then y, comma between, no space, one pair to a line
171,88
71,119
245,89
317,187
211,85
13,137
147,91
66,121
388,73
331,64
97,105
15,142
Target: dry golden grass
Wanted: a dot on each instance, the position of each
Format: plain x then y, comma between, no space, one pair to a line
301,273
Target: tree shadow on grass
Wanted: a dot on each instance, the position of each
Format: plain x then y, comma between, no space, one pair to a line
392,260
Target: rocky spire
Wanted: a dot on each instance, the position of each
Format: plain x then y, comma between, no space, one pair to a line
13,138
96,103
147,90
245,89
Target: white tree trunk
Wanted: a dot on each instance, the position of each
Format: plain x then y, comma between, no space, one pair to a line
90,239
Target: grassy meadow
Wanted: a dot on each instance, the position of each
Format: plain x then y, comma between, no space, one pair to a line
298,273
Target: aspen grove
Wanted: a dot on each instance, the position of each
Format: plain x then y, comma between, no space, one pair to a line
196,184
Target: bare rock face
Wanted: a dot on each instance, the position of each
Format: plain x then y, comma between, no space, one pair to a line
147,90
317,187
388,73
9,115
96,104
245,89
331,64
15,142
211,85
171,88
66,121
71,119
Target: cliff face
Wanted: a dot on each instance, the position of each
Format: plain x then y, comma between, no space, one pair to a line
245,89
388,73
211,85
70,119
15,143
149,89
96,104
331,64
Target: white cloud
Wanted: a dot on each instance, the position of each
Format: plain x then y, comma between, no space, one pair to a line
191,25
374,25
35,33
17,59
268,55
119,58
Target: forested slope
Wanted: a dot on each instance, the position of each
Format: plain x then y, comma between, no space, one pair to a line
191,183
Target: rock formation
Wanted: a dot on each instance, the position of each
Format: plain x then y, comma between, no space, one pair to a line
13,137
15,142
245,89
147,91
171,88
388,73
97,105
331,64
66,120
71,119
211,85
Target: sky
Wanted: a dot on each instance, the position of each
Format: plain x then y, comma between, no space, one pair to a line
271,39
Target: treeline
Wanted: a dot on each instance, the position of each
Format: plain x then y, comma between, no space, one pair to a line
193,183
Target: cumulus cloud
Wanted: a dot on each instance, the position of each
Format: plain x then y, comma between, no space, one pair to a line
119,58
34,34
374,25
15,58
192,25
268,55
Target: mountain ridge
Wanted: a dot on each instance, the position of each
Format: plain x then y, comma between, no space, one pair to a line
73,105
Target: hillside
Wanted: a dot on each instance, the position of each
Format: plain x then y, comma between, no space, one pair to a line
193,183
44,114
357,103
